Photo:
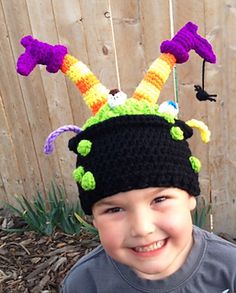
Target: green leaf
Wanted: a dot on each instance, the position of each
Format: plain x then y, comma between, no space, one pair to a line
201,212
88,227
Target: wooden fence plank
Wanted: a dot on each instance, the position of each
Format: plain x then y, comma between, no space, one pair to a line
70,29
155,20
11,182
230,117
15,111
55,90
130,53
98,37
221,18
33,94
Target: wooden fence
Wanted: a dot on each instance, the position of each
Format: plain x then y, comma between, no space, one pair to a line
30,108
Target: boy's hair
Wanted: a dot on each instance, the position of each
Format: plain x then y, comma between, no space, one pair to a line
128,143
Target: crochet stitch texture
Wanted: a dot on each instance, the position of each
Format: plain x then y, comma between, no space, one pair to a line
133,152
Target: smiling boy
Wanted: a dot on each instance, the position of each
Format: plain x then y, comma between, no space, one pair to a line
149,230
138,179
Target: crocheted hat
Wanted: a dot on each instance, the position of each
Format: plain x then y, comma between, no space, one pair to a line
128,143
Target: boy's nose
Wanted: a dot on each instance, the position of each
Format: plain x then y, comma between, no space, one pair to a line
141,224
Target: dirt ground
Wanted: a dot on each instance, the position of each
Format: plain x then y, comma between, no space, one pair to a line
30,262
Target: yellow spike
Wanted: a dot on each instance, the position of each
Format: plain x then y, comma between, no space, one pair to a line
78,71
202,127
147,91
155,77
92,96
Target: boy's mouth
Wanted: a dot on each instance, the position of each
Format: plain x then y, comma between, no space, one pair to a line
150,247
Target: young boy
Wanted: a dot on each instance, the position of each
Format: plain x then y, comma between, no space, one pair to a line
138,179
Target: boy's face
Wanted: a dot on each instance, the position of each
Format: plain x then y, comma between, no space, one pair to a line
150,229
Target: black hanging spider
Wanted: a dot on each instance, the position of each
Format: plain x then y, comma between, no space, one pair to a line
201,94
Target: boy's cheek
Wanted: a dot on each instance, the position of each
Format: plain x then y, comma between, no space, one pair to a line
176,223
109,234
110,239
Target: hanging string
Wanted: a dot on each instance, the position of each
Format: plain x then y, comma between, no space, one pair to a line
114,46
175,79
203,74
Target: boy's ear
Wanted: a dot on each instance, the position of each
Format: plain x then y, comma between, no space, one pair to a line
94,223
192,202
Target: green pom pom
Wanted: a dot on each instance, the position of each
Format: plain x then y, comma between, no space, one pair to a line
196,164
88,181
78,173
176,133
84,147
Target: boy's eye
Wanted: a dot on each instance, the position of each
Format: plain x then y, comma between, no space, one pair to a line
159,199
113,210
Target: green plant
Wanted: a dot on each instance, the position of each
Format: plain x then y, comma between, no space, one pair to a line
44,216
90,228
201,212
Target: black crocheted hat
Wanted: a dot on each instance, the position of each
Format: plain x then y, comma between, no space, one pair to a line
128,143
133,152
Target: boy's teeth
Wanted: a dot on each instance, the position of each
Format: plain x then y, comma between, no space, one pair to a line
151,247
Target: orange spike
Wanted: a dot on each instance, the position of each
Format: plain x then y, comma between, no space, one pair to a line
93,92
87,82
68,61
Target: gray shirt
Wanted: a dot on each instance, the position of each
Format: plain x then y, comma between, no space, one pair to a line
210,267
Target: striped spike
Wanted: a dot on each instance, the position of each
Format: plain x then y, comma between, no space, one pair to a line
156,76
94,93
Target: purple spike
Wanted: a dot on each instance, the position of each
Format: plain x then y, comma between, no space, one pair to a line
185,40
37,52
48,147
